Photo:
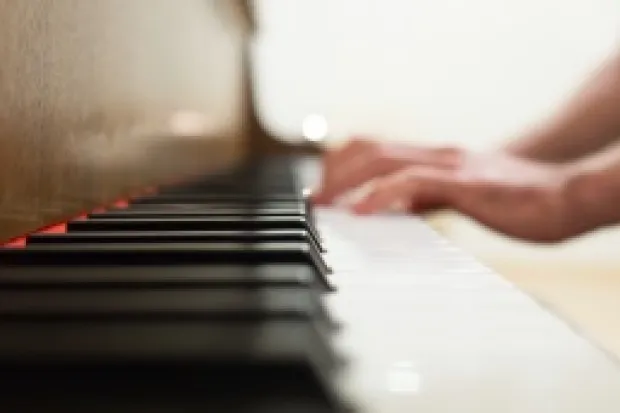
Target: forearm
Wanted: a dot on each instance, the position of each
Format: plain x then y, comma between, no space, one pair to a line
588,122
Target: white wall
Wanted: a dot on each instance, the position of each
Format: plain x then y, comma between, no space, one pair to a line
470,71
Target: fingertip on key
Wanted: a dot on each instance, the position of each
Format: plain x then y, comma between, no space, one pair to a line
319,197
360,208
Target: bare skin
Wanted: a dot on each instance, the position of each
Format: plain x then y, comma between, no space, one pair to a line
587,123
555,183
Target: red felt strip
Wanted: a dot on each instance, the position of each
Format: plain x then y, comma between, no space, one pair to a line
61,227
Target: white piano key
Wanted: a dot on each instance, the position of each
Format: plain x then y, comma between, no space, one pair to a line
429,329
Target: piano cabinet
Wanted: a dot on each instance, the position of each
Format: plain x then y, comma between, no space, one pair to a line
102,98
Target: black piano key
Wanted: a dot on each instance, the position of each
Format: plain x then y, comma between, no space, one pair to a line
167,254
188,223
277,388
181,303
145,237
257,388
194,224
215,206
217,203
198,212
169,237
160,277
210,299
225,209
181,365
134,340
242,213
201,303
244,197
234,184
165,278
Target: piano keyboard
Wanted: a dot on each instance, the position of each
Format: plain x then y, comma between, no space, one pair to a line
233,294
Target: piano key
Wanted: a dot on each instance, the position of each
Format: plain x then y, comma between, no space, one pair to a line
218,279
224,209
235,184
301,207
224,387
247,198
167,254
243,213
201,303
121,237
169,236
149,276
209,363
161,342
213,205
255,388
204,302
198,212
194,224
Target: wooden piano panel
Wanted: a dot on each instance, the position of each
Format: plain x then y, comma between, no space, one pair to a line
99,97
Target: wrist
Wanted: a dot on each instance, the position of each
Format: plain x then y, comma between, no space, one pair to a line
592,196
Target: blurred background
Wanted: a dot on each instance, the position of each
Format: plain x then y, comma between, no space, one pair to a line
475,73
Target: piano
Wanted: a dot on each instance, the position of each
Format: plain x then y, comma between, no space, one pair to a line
159,252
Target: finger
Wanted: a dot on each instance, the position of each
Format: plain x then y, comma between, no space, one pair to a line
322,195
348,168
425,204
438,157
342,172
363,160
387,194
403,189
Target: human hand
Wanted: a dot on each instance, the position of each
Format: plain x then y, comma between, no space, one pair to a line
520,198
360,161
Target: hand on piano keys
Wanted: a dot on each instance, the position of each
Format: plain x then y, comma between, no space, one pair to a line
515,196
218,295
